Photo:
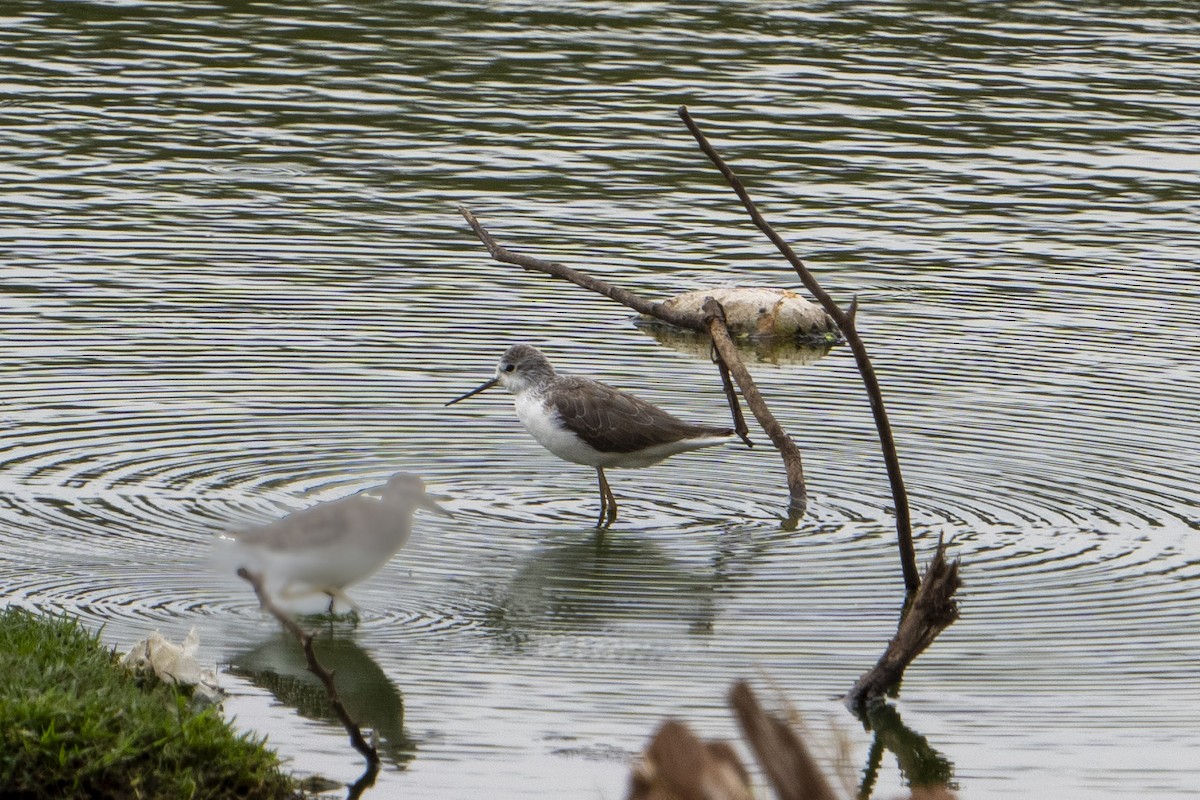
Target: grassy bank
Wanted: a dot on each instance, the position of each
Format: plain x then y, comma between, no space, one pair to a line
73,724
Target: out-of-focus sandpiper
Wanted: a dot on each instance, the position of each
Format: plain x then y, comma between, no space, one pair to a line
324,549
587,422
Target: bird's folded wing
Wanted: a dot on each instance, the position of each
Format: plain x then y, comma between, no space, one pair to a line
613,421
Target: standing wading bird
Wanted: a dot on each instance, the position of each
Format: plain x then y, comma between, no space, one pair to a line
587,422
324,549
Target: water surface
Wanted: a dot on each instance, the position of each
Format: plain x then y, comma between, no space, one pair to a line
235,283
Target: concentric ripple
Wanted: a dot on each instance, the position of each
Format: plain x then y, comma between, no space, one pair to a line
235,285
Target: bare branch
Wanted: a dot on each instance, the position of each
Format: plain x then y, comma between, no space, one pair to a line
368,751
930,611
845,323
622,296
735,408
714,317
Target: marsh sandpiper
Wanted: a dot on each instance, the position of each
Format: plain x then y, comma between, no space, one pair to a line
324,549
587,422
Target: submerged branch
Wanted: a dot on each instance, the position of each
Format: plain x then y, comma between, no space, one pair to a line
846,324
368,750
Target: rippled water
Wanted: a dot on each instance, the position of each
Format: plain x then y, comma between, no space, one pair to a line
234,283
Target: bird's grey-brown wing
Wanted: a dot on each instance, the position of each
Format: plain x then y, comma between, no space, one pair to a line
338,522
613,421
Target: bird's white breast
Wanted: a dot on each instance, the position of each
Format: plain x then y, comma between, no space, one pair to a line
543,425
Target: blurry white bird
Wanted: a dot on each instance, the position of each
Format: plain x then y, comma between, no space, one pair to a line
324,549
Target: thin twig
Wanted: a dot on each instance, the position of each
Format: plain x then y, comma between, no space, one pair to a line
622,296
368,751
714,318
845,323
735,408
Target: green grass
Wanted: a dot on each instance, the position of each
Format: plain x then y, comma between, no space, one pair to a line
74,724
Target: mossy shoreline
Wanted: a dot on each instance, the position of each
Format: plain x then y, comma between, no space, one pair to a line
75,724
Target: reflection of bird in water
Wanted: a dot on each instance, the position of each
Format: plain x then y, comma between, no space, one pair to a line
587,422
278,665
324,549
590,584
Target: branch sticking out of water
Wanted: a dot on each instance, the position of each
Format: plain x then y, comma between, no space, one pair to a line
846,324
368,750
713,323
931,610
714,318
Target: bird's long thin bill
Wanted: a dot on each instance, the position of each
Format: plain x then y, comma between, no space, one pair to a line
487,385
432,505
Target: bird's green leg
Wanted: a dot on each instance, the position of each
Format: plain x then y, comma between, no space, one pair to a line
608,503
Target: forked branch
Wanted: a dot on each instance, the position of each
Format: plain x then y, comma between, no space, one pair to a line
930,611
846,324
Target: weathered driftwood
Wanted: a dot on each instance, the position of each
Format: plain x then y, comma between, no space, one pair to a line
365,748
759,312
676,765
792,463
929,612
845,323
791,769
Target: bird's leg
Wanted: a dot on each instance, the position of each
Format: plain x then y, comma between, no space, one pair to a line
608,503
336,594
603,497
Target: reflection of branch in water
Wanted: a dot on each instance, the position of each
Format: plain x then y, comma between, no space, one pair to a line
314,666
775,351
920,764
277,664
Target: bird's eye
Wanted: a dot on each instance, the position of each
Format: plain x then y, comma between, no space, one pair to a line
509,367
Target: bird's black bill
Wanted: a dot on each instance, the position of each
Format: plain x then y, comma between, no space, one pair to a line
486,386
